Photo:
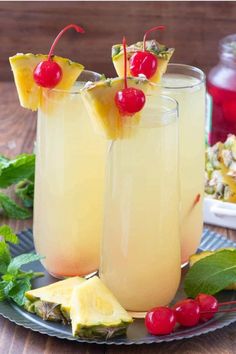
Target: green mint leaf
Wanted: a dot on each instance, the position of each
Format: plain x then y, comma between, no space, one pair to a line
211,274
13,210
6,286
4,161
8,277
25,191
3,290
22,259
13,171
8,234
17,292
5,257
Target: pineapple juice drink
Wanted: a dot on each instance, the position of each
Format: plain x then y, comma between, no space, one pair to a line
68,206
186,84
140,259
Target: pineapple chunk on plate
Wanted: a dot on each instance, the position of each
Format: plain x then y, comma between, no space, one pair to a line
95,312
52,302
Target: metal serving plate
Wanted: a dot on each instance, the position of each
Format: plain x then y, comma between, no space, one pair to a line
136,333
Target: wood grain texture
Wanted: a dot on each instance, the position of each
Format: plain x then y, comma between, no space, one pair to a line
193,28
17,132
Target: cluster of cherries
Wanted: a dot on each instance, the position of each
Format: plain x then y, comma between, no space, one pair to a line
187,313
129,100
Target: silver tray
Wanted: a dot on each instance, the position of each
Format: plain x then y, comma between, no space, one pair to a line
136,333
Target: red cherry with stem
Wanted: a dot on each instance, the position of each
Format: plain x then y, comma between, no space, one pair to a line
160,320
143,62
207,303
187,312
129,100
49,73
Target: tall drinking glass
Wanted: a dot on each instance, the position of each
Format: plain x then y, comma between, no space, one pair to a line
140,258
70,164
186,84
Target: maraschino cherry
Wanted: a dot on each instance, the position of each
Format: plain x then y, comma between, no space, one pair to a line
129,100
160,320
48,73
144,62
187,312
208,306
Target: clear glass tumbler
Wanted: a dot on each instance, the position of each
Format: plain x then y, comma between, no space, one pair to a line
69,184
186,84
140,258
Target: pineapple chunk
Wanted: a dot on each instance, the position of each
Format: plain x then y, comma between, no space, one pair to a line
161,51
52,302
99,99
196,257
29,92
95,312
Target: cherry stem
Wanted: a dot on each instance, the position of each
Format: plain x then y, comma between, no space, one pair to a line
226,310
149,31
77,28
226,303
125,62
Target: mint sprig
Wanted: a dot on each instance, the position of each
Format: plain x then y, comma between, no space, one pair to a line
25,191
19,171
13,171
13,210
14,282
211,274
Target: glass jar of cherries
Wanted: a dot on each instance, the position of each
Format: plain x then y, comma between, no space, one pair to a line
221,85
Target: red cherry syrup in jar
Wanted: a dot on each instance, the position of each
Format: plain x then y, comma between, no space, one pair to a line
221,85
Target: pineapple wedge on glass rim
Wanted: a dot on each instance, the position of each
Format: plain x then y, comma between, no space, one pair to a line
99,99
95,312
52,302
29,92
162,53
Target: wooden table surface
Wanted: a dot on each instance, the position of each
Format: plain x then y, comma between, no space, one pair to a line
17,132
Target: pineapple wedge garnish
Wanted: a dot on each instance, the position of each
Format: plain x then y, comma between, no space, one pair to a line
161,51
99,99
52,302
95,312
29,92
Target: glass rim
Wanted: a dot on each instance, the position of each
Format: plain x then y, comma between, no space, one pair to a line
170,111
165,116
188,67
77,91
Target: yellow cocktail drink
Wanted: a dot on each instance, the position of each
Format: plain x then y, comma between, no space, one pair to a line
186,84
68,206
141,249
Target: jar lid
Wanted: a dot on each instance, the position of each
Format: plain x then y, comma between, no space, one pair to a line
227,46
